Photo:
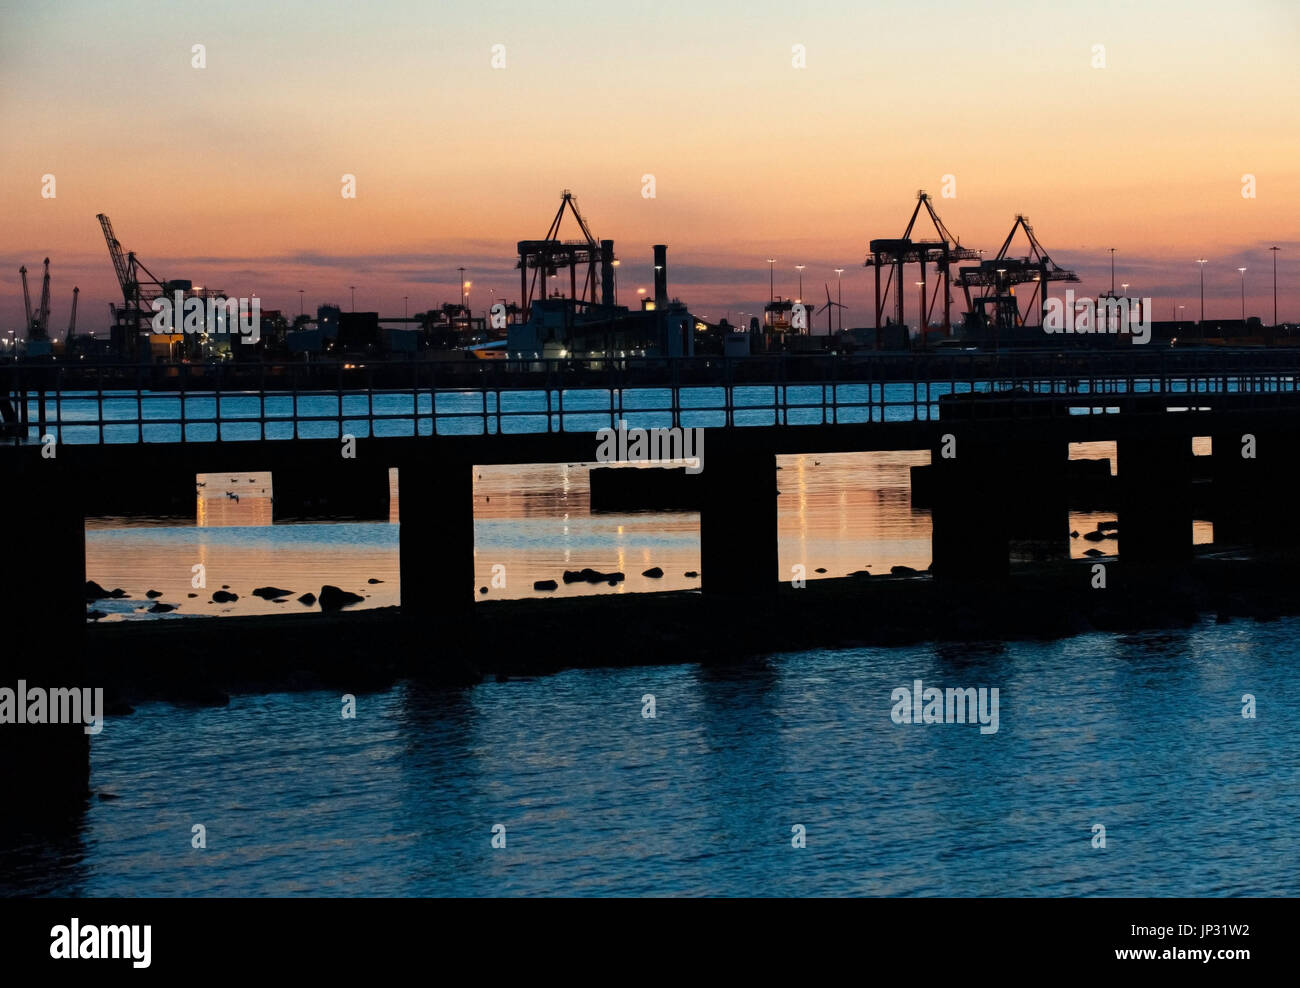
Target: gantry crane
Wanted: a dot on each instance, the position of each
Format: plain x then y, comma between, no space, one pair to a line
995,279
545,257
895,253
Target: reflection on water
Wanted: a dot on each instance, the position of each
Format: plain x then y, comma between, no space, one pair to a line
1142,733
836,514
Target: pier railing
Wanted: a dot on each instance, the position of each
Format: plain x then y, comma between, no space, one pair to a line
116,403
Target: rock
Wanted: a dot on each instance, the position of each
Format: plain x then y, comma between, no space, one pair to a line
107,796
902,571
691,574
191,595
545,585
1095,536
333,599
1074,535
270,593
307,599
482,589
1108,526
654,572
589,575
94,591
151,594
373,581
223,597
117,593
820,569
1093,552
225,586
161,608
280,600
95,615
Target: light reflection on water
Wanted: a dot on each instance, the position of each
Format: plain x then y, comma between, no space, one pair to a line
840,513
1140,733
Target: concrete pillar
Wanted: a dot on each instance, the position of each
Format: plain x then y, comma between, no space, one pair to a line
1251,482
738,536
1037,487
44,768
1155,512
971,487
436,563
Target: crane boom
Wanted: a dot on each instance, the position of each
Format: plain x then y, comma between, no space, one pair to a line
27,298
115,252
72,319
41,330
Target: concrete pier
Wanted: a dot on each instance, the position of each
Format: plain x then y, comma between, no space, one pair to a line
44,768
1155,512
436,565
738,533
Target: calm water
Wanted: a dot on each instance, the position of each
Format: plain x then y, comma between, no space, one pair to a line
839,513
1142,734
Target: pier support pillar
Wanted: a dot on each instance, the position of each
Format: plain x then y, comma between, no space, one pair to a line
738,534
436,552
1251,482
1037,492
1155,512
970,514
44,768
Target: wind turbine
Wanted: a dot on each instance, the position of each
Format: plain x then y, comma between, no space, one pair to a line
827,309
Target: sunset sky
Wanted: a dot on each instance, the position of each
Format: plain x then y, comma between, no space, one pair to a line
230,175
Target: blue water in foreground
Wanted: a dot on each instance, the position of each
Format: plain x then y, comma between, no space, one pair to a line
1143,734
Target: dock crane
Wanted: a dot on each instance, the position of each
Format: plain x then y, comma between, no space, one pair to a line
893,254
72,319
139,285
38,322
995,280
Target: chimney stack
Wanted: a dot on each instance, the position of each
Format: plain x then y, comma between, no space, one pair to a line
661,276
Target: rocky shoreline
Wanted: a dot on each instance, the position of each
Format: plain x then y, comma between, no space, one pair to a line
189,662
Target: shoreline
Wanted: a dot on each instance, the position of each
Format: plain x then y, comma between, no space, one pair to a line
203,663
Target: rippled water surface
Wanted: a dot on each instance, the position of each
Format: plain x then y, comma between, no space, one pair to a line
1143,734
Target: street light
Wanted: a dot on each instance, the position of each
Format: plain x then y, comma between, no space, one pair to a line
1202,261
771,279
839,288
1112,272
1275,250
799,268
404,312
1243,300
300,301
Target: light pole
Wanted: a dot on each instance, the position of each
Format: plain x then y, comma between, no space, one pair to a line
404,312
300,301
353,290
799,268
1112,271
1275,250
1243,300
771,279
1202,261
839,288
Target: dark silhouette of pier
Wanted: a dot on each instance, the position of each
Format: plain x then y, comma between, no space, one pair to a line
998,431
